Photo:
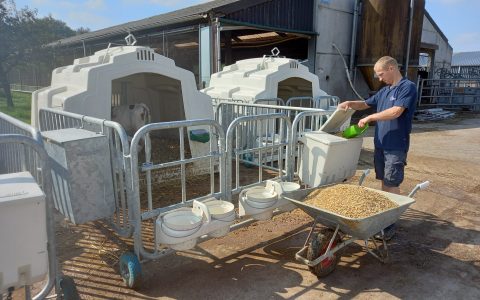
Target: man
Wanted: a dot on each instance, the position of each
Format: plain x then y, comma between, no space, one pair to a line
395,104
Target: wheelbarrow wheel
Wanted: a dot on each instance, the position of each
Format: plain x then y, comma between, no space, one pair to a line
130,270
318,246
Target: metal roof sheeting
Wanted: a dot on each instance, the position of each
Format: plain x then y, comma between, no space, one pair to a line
182,15
466,59
292,15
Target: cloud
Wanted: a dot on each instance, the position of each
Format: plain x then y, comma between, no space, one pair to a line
87,19
95,4
448,2
97,14
36,3
467,41
166,3
169,3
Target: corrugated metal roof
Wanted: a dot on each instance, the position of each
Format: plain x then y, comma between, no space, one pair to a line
466,59
182,15
223,8
277,14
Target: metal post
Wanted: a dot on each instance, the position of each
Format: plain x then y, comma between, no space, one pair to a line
354,36
218,56
410,21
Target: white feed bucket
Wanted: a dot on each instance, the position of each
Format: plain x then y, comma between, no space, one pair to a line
181,224
221,211
289,186
187,245
260,202
182,220
260,197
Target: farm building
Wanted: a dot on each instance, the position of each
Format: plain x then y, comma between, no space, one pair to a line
466,64
206,37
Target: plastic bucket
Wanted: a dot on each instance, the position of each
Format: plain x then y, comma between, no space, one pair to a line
220,210
354,131
261,194
289,186
182,220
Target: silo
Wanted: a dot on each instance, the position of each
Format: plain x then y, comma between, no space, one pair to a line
384,31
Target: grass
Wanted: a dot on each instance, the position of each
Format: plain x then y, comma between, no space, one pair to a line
21,106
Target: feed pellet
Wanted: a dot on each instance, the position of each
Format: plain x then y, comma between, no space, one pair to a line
351,201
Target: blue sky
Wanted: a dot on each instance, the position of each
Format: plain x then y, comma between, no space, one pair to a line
458,19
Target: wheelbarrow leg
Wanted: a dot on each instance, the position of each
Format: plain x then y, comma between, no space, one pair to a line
383,254
314,225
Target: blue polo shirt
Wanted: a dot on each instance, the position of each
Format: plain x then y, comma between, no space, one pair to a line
394,134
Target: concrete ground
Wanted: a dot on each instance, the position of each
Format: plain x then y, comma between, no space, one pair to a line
434,255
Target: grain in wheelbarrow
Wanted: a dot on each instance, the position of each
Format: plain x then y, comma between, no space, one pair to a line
351,201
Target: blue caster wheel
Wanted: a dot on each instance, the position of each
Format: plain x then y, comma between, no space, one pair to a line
131,270
69,291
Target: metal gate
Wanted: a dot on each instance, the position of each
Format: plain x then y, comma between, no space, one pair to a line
15,157
51,119
215,159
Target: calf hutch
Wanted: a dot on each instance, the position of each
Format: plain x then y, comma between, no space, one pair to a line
130,77
267,77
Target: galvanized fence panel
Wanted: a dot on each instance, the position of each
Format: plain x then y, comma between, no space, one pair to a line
227,112
326,102
216,101
15,157
51,119
449,93
303,120
215,159
270,101
257,140
301,102
33,147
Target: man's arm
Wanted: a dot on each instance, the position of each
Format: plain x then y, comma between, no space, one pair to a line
356,105
388,114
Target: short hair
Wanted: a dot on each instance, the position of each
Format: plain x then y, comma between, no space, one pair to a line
387,61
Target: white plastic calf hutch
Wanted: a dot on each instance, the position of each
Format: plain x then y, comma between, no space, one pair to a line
264,78
126,75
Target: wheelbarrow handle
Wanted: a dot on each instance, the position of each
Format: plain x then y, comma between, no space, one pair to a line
364,175
420,186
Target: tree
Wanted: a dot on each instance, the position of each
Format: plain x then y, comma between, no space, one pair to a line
82,30
22,35
13,26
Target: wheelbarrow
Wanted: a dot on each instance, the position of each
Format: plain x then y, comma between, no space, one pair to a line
321,250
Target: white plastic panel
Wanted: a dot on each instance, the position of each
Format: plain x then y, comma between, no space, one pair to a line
23,231
328,159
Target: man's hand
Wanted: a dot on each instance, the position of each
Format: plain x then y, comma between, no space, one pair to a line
364,122
356,105
344,105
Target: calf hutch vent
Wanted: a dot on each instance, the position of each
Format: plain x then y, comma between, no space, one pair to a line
125,77
264,78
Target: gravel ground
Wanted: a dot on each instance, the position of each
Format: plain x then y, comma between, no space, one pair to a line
434,255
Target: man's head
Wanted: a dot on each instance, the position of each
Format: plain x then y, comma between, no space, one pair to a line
386,70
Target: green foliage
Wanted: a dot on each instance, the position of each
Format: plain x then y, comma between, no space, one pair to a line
82,30
23,39
22,103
